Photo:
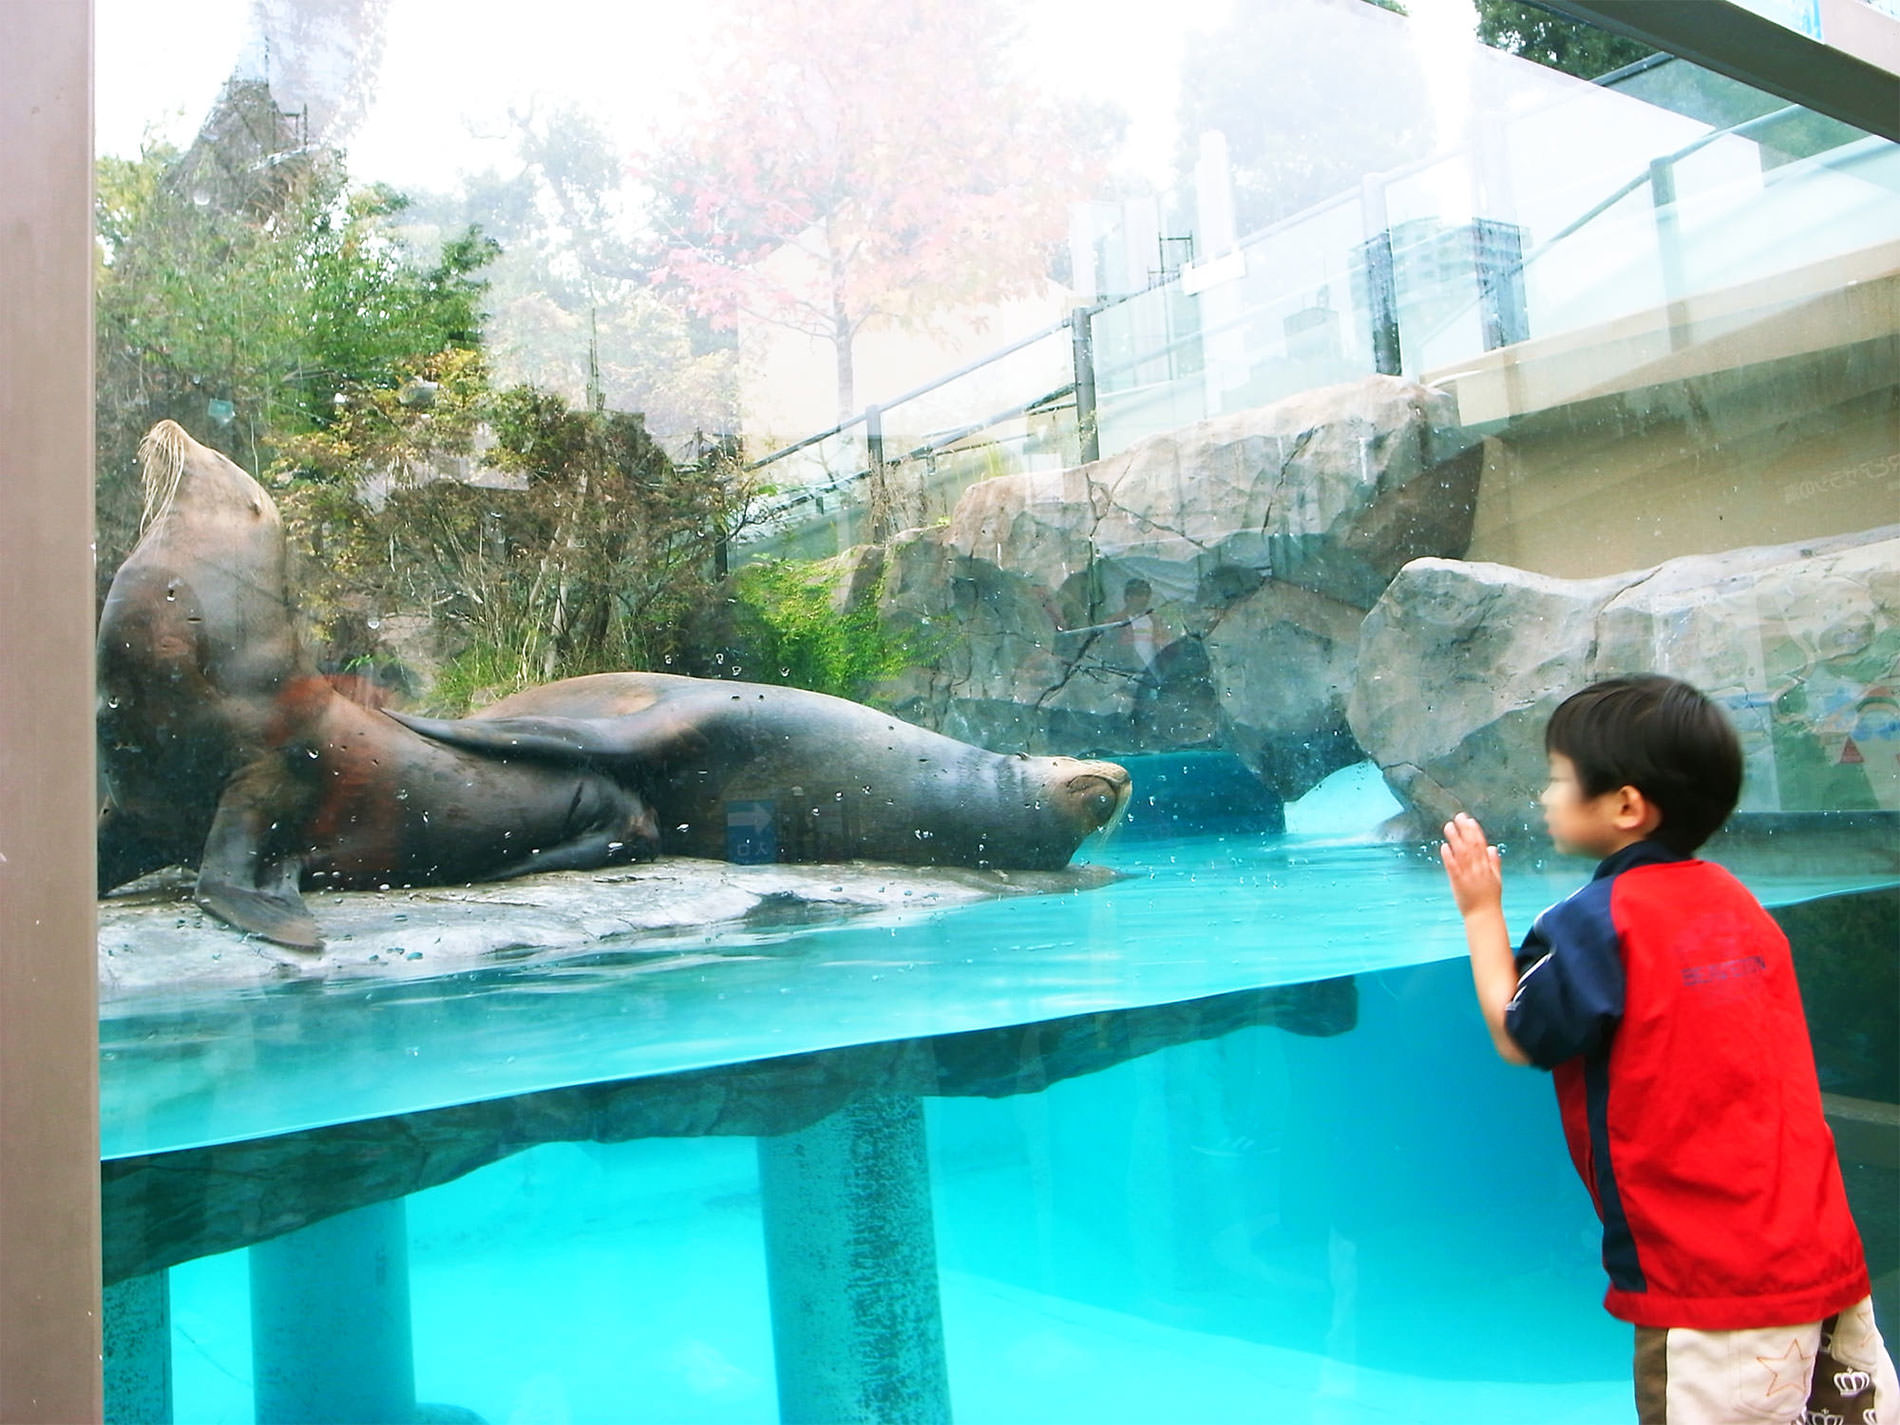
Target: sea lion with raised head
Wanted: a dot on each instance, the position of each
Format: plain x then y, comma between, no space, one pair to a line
220,745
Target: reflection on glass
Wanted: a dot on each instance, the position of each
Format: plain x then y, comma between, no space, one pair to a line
1275,411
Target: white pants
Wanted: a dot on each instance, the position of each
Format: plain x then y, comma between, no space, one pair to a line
1833,1372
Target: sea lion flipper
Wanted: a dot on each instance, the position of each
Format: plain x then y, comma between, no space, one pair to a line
280,918
240,880
557,739
630,737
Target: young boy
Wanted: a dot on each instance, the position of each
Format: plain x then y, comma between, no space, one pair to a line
1663,998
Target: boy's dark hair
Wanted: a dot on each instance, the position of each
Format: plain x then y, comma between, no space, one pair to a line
1660,736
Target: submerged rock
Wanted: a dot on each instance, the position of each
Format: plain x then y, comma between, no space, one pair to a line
1461,664
1203,589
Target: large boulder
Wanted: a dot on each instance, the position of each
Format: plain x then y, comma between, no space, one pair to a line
1203,589
1461,664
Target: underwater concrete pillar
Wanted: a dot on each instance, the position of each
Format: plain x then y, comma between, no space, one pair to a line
137,1322
851,1262
330,1340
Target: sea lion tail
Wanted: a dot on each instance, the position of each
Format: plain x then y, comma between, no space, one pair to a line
161,467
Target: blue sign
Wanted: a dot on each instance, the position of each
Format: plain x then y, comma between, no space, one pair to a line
751,832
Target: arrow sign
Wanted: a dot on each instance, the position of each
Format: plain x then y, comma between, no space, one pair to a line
750,838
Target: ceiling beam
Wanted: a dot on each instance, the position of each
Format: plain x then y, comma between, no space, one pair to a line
1858,86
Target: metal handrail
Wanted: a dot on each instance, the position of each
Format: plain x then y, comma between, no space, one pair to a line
1643,179
923,390
1256,236
1745,128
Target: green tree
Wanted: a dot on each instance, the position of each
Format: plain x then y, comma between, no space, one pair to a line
1554,41
253,309
572,305
798,622
603,557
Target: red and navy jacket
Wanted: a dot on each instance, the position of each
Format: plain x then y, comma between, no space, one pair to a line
1663,997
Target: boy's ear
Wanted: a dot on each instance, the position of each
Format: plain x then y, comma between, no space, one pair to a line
1632,811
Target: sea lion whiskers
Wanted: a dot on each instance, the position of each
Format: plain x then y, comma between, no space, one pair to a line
161,468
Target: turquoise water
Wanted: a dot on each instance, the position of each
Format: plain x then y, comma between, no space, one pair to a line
1379,1226
1190,917
1375,1227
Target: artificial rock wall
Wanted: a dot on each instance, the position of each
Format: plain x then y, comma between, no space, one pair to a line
1202,590
1287,584
1460,665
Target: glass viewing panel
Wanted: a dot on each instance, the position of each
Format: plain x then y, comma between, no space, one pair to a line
776,682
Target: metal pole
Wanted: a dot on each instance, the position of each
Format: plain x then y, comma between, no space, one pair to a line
1382,295
883,523
49,1089
1082,345
874,437
1662,197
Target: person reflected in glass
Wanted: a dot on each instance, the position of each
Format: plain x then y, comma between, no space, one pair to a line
1662,998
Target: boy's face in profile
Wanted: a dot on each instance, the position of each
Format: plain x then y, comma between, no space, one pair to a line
1600,826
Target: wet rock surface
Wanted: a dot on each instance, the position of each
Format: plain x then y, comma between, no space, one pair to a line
152,939
1202,590
1461,664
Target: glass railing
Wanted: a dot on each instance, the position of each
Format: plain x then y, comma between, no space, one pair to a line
542,909
1616,207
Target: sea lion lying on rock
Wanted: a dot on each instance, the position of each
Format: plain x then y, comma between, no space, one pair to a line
820,778
220,744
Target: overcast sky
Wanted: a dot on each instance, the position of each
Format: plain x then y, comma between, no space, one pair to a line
450,74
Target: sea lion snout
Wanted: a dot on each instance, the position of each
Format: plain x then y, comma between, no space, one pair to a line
1096,791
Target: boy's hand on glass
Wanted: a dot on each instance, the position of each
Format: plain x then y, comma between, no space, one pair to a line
1477,880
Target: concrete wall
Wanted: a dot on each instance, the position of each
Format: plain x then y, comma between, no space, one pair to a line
1758,416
